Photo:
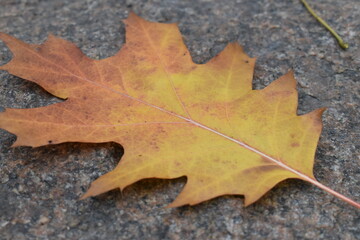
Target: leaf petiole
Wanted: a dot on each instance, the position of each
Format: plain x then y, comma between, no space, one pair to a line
341,42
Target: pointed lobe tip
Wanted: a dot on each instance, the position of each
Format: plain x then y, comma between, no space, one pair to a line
5,37
84,196
133,17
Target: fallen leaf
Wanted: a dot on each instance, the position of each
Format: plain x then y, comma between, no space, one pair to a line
173,117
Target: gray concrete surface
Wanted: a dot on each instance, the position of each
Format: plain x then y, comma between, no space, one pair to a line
40,187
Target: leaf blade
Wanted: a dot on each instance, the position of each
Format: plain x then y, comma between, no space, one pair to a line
202,121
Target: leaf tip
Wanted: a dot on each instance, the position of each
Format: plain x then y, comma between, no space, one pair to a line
51,36
170,206
85,195
91,192
3,35
132,17
290,78
286,81
7,39
175,204
322,110
101,185
235,45
132,14
248,201
317,113
15,144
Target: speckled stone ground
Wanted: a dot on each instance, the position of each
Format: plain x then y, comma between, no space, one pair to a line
40,187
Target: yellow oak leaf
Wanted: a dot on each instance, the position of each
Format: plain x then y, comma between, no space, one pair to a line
173,117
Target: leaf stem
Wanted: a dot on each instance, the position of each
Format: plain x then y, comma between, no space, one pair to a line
341,42
329,190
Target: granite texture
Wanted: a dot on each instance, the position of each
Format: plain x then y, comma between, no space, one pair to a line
39,188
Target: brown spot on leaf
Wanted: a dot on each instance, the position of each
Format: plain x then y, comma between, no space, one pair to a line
260,169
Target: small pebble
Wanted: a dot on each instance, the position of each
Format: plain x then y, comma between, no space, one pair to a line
43,220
